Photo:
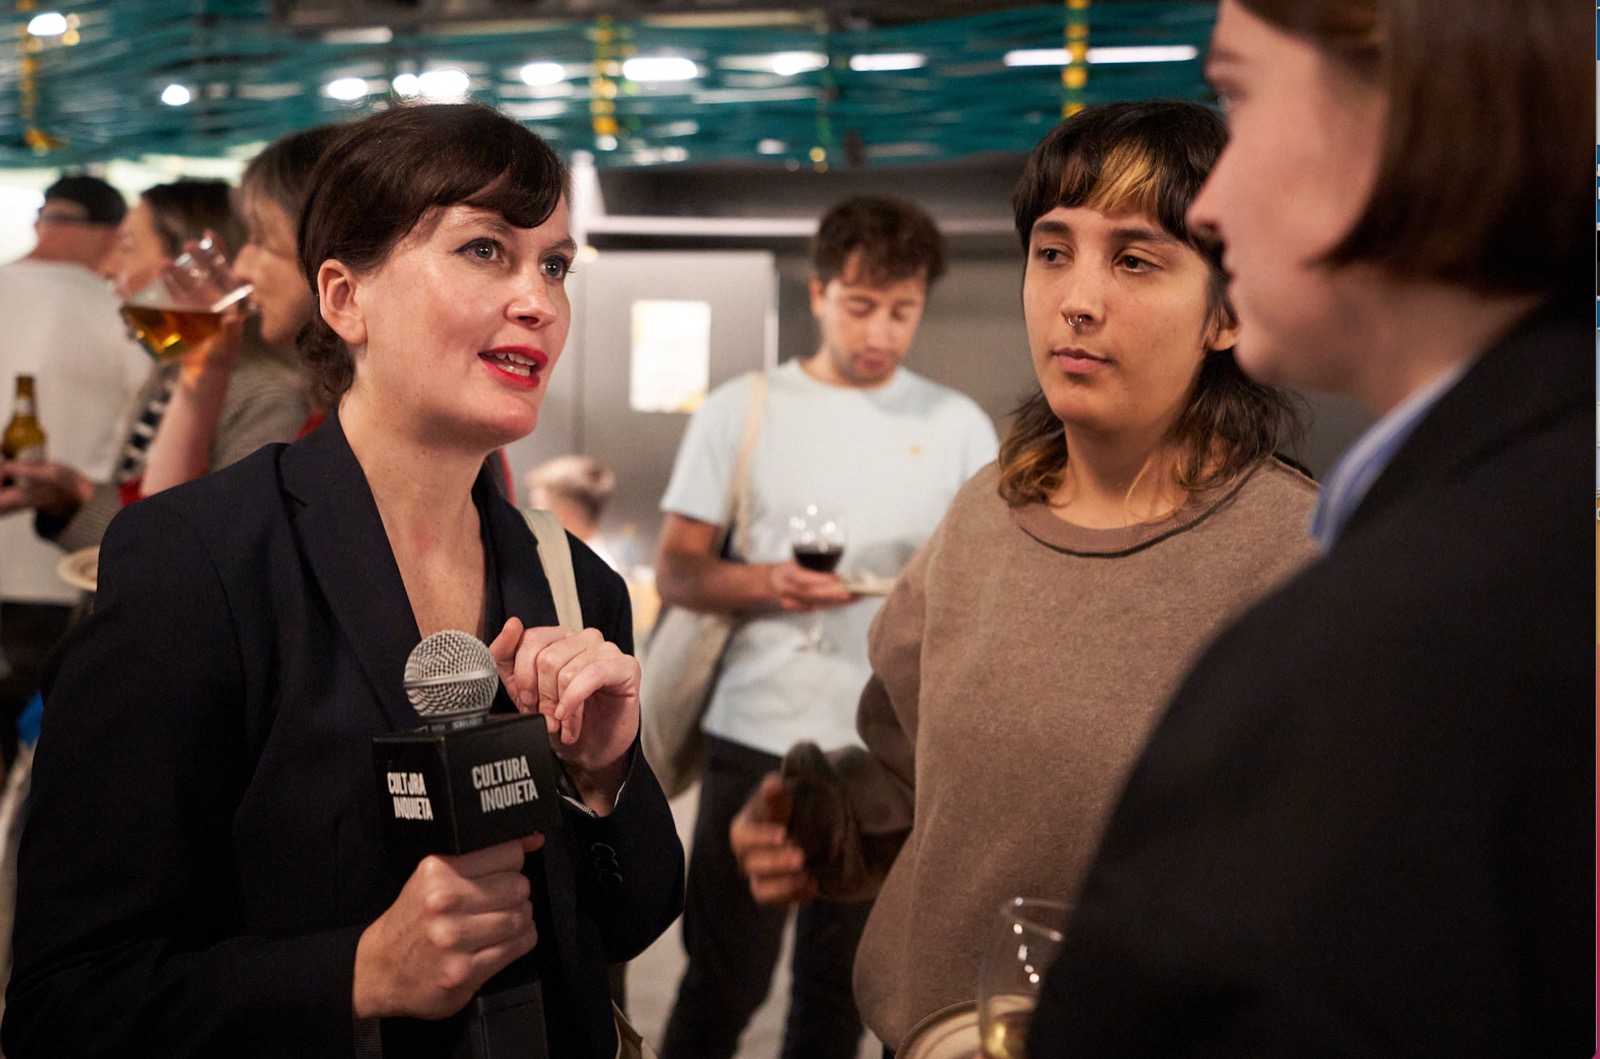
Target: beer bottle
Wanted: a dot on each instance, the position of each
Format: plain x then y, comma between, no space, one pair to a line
24,437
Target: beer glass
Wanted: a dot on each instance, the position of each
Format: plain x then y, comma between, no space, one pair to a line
184,305
1023,944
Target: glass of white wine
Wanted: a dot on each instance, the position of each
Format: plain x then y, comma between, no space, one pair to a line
817,537
1023,944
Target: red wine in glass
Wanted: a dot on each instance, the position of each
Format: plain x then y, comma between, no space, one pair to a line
817,539
820,556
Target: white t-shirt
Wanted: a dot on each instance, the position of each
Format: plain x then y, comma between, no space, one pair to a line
889,460
62,327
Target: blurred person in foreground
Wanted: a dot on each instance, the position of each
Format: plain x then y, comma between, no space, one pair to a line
262,398
1365,825
851,431
1027,648
61,328
204,871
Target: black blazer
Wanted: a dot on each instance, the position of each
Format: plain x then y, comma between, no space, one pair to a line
204,850
1366,825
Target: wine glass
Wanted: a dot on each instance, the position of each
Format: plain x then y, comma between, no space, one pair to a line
817,537
1022,945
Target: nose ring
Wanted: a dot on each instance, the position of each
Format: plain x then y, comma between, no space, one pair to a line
1074,320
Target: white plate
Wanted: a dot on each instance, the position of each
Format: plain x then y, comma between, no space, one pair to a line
864,584
81,569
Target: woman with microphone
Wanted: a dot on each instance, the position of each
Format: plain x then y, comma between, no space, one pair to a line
204,871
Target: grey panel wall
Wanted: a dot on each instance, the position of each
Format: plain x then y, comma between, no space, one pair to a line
587,408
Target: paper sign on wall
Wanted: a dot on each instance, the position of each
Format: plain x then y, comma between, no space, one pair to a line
670,362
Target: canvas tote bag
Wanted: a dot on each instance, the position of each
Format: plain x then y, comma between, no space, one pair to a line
685,648
555,555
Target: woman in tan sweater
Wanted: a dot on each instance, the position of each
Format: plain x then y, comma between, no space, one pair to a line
1025,651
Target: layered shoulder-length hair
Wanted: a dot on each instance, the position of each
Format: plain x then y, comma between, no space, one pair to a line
386,173
1483,181
1148,157
184,210
281,173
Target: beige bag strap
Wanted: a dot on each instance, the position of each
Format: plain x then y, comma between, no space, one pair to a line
736,517
555,555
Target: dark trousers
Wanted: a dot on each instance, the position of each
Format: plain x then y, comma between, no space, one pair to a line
733,943
27,632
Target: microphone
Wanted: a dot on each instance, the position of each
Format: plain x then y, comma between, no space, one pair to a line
450,676
463,782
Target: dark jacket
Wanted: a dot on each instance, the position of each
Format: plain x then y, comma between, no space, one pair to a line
1366,825
204,849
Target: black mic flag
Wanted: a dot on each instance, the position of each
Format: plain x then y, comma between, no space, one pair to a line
461,783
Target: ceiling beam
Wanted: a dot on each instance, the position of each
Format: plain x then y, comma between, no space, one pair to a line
840,14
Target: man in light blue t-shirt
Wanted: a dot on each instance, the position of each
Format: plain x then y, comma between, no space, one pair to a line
880,451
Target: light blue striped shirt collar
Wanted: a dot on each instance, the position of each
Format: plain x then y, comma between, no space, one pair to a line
1361,464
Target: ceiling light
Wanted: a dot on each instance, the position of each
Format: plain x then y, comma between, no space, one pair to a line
1175,53
346,88
49,24
658,155
771,147
543,75
883,61
359,35
789,63
1037,57
405,85
660,68
1172,53
175,95
446,85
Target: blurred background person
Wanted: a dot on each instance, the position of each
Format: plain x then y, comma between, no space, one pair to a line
62,329
851,432
210,720
1366,823
1027,648
263,402
577,489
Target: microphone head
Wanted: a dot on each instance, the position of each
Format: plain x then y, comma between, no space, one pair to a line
450,677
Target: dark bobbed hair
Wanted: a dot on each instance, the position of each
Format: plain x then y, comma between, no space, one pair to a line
386,173
281,173
1484,176
1149,157
184,210
897,241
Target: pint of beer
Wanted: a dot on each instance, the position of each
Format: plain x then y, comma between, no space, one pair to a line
183,306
